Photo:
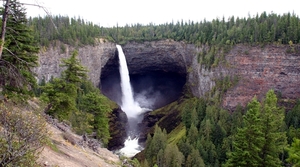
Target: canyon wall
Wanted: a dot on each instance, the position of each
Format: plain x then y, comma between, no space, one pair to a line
92,57
258,68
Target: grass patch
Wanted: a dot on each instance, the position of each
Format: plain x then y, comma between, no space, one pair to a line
175,135
53,145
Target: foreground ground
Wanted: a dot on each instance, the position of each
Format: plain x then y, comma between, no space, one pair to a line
61,153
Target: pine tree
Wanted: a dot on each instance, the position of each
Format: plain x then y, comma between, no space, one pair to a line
172,156
96,104
75,73
155,144
272,118
248,141
20,53
61,98
194,159
62,93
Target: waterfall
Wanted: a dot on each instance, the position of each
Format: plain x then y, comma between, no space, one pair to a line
129,106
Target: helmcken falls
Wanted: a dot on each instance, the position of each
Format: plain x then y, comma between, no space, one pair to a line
130,107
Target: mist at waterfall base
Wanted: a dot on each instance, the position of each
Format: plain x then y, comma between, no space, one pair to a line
130,107
149,89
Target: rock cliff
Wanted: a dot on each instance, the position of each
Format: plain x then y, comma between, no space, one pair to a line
261,69
258,68
92,57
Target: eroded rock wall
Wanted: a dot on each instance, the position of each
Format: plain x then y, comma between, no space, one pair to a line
92,57
261,69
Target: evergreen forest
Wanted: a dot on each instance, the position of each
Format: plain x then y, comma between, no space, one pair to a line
261,134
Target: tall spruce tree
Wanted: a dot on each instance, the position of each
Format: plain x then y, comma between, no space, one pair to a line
249,139
75,73
272,118
20,51
62,93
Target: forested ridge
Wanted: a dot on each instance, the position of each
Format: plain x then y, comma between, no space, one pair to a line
261,28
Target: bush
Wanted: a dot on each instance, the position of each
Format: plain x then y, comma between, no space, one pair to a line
22,134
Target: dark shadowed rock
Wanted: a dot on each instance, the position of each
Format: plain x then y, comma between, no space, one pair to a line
117,129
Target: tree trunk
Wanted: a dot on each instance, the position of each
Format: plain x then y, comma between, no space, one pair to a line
3,29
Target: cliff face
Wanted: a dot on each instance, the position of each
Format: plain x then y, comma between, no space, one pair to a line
92,57
261,69
258,69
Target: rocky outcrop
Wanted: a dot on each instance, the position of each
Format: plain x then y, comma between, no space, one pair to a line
260,69
166,56
117,128
92,57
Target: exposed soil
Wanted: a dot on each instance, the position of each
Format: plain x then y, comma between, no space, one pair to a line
64,154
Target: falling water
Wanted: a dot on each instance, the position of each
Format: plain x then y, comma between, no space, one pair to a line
129,106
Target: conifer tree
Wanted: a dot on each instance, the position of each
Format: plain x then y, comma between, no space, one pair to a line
62,93
172,156
272,118
194,159
75,73
96,104
61,98
19,53
248,141
155,144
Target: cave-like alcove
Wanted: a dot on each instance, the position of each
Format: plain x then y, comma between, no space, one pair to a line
155,84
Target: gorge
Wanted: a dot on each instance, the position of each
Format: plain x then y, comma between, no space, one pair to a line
257,68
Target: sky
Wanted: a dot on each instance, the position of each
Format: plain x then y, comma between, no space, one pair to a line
110,13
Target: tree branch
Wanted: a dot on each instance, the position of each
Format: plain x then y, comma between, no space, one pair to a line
3,29
45,10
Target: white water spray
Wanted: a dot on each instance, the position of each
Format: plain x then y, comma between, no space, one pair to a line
131,147
129,106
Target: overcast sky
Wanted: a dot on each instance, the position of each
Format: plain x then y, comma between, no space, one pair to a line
121,12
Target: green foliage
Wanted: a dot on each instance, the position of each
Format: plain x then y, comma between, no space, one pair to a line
61,97
263,28
155,144
294,153
172,156
75,99
262,139
273,131
72,31
292,122
19,54
248,140
96,104
194,159
293,117
75,72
